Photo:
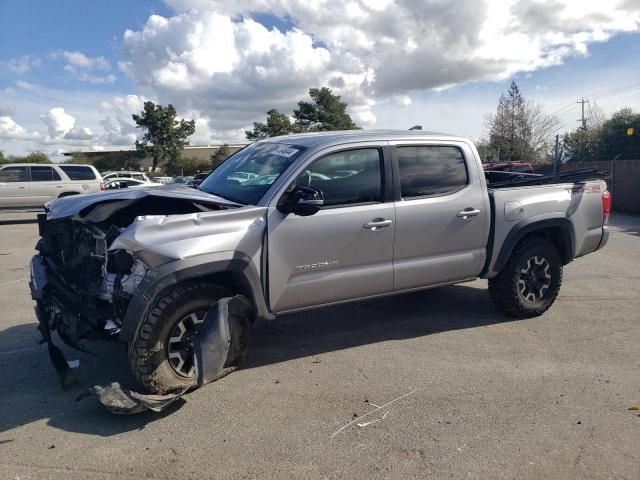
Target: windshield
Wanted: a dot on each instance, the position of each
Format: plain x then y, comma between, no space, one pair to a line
247,175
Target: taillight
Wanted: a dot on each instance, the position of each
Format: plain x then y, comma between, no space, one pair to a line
102,188
606,206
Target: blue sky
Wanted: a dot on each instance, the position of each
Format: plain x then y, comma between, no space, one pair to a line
70,78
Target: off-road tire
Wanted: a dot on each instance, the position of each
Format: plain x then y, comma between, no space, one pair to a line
505,289
148,359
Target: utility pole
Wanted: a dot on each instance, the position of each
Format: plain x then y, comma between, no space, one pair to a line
583,120
556,156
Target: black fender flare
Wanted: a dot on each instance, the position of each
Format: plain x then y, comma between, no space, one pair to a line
531,225
178,271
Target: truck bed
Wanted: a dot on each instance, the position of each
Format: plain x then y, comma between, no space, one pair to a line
515,206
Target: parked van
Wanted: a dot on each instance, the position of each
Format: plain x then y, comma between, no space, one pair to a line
29,185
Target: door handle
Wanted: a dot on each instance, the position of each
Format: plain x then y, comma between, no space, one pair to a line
377,224
21,188
468,212
58,186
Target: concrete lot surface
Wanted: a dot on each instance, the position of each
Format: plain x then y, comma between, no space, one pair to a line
488,397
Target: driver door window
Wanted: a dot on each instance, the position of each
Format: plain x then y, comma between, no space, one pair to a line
346,178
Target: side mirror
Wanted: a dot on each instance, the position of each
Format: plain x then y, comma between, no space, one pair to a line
302,201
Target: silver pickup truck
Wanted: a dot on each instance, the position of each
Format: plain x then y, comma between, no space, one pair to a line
298,222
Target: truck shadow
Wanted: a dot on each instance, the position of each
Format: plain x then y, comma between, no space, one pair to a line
350,325
30,390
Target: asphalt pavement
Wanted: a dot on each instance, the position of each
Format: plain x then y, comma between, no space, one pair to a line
465,391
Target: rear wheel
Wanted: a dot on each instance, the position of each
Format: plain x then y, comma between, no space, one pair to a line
161,355
530,281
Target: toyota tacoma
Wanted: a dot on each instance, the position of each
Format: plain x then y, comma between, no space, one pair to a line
297,222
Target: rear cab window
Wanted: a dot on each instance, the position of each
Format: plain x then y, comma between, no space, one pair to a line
78,172
427,170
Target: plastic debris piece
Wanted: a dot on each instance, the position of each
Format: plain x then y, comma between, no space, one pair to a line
122,401
73,363
635,407
364,424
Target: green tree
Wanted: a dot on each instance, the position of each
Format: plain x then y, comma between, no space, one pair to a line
487,152
165,137
616,143
605,139
324,112
519,130
33,157
220,155
125,160
585,144
187,166
2,158
78,158
277,124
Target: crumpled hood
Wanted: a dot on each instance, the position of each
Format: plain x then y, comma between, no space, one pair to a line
73,205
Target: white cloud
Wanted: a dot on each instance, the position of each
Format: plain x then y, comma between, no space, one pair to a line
87,69
24,63
10,130
77,60
228,71
97,79
79,134
58,122
212,58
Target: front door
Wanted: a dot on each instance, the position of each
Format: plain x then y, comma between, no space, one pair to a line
442,217
14,187
345,250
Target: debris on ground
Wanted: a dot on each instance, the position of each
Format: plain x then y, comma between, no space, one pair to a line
635,407
364,424
122,401
372,411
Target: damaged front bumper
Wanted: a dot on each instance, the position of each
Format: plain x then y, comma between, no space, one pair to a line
59,309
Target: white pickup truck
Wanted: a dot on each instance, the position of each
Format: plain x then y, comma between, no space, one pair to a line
322,219
31,185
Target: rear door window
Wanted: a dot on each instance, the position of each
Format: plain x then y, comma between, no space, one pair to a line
44,174
431,170
13,174
78,172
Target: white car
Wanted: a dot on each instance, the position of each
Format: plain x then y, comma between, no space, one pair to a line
117,182
125,174
31,185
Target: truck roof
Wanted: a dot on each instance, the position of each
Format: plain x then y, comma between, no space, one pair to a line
343,136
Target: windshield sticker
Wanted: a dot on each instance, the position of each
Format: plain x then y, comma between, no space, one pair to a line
285,151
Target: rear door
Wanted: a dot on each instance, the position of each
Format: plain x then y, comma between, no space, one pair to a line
14,187
442,215
46,184
345,250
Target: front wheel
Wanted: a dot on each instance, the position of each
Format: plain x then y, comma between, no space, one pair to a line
161,355
530,281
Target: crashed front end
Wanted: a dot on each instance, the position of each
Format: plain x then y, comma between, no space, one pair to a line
90,259
81,287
